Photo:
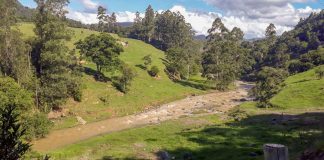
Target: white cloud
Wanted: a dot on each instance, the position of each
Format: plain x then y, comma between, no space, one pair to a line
252,16
89,4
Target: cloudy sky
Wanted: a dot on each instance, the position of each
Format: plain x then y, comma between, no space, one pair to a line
252,16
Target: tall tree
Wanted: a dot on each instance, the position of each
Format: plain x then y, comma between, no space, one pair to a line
55,66
137,28
171,30
102,17
271,31
224,57
13,50
113,23
148,24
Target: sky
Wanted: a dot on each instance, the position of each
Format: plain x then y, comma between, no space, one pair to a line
252,16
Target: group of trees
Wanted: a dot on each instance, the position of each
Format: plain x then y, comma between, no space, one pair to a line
170,32
36,75
224,58
294,51
107,23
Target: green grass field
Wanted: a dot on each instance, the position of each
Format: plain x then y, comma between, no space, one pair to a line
144,92
212,136
302,91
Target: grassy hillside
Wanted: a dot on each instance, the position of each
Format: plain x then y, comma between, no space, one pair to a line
303,91
212,136
144,92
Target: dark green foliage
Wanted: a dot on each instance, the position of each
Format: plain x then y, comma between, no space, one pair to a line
54,65
13,50
148,24
102,18
147,60
107,23
269,82
320,72
315,57
154,71
171,30
224,58
182,62
102,49
38,125
137,28
11,145
296,66
124,81
12,93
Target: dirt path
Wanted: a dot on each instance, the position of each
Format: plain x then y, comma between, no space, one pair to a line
216,102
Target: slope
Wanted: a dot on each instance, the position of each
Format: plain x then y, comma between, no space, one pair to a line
145,91
302,91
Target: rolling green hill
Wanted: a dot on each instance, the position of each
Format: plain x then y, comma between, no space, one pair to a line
144,92
302,91
212,136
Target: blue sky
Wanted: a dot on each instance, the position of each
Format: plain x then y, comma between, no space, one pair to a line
140,5
252,16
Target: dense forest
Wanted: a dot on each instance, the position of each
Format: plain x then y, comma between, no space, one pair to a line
40,74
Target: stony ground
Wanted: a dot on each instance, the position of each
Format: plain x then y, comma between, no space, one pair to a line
215,102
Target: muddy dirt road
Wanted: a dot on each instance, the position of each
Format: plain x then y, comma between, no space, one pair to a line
216,102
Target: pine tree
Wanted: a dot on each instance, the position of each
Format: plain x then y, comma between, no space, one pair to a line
11,145
55,67
148,24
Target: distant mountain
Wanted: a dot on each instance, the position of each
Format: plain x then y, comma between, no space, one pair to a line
25,13
200,37
125,24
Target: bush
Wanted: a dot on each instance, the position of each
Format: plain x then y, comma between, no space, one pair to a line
269,83
147,60
38,126
124,81
104,99
297,66
320,72
154,71
315,57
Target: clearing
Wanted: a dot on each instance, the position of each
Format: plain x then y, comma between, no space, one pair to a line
216,102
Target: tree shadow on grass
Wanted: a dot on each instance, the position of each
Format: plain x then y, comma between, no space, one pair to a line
200,86
244,139
141,66
100,77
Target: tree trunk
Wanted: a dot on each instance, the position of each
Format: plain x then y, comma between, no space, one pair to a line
275,152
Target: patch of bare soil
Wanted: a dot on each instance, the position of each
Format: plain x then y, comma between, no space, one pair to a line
212,103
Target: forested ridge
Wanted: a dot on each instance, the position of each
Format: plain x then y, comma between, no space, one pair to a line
40,74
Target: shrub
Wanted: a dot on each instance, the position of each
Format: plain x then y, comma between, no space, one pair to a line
38,126
297,66
104,99
147,60
269,83
124,81
154,71
320,72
